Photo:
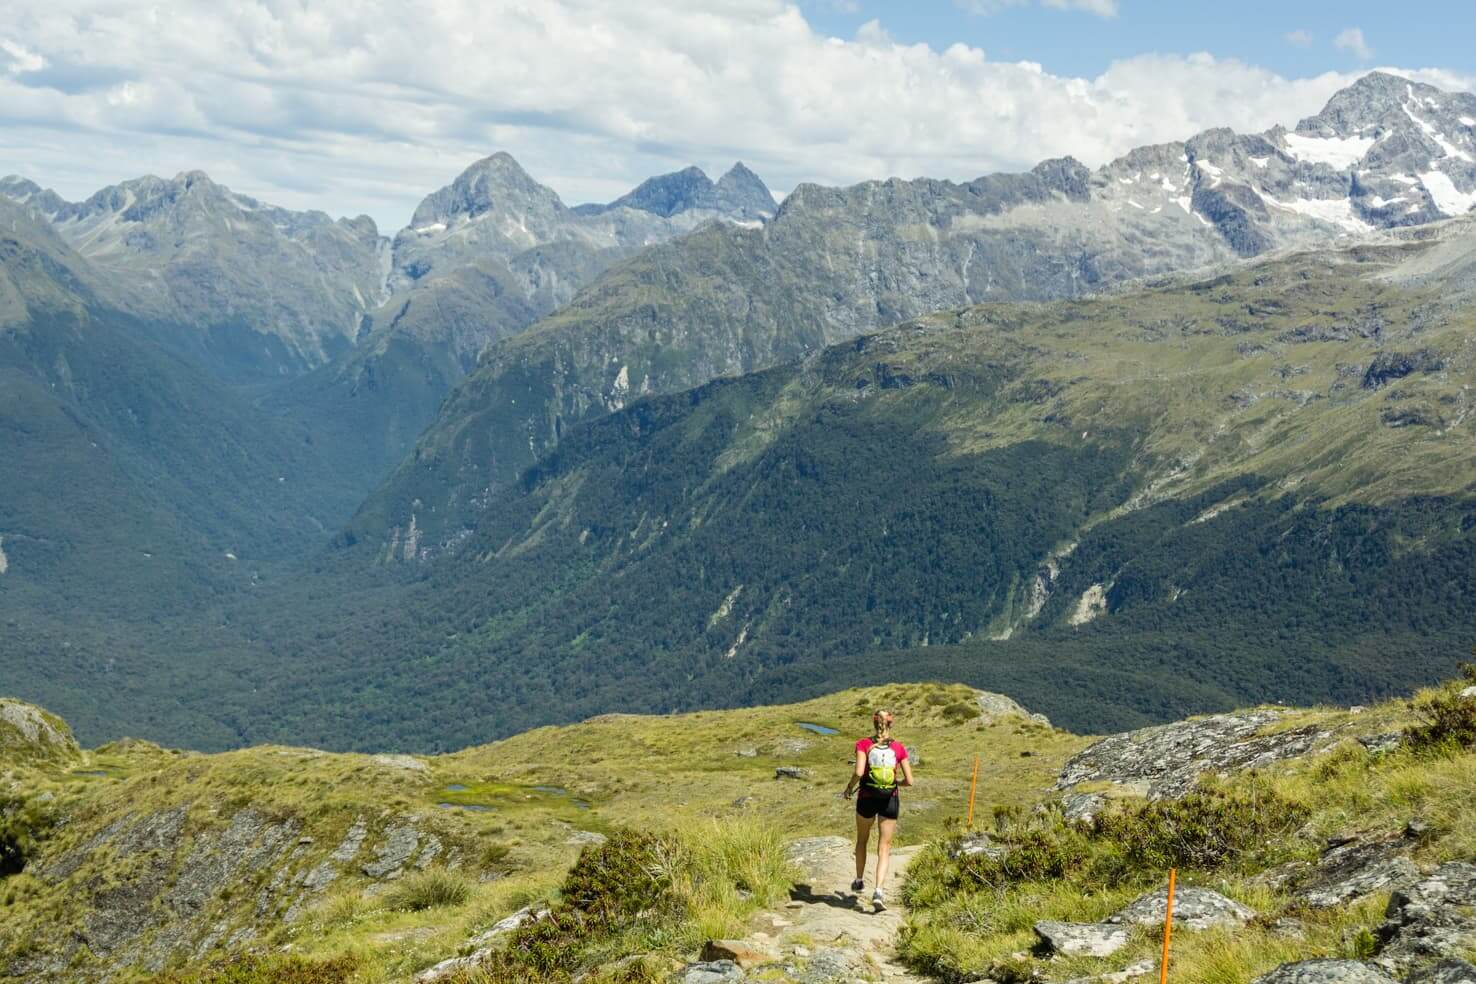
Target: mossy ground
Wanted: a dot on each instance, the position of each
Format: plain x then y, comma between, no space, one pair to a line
514,809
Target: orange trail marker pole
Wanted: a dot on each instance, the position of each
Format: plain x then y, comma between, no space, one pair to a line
1168,930
973,785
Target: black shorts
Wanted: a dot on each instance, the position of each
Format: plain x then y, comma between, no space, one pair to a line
871,807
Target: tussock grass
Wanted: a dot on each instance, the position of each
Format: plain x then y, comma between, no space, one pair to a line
731,869
433,889
269,970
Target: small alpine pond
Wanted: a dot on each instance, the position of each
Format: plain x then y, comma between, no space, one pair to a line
484,797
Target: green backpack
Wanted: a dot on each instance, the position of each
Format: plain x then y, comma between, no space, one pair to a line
881,767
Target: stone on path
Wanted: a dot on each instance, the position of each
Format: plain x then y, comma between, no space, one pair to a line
744,953
1194,908
1081,939
1132,972
713,972
1325,972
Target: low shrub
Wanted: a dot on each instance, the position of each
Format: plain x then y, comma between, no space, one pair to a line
958,713
433,889
1447,720
495,857
1038,853
613,886
1205,829
23,825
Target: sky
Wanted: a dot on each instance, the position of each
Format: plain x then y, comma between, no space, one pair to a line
367,107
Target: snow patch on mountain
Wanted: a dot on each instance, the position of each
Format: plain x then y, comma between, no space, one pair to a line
1339,152
1337,211
1448,198
1450,149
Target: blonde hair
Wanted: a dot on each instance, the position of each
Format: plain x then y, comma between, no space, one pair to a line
881,723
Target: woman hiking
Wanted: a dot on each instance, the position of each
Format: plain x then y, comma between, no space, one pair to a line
879,760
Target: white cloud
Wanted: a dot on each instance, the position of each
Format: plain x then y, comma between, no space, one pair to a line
20,59
369,106
1299,37
1102,8
1351,40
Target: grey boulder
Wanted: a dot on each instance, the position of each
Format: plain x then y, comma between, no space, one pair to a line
1081,939
1167,759
1194,908
1325,972
1451,971
712,972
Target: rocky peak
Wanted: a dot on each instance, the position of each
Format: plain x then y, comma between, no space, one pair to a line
195,181
741,192
1375,101
1066,175
493,184
668,194
23,191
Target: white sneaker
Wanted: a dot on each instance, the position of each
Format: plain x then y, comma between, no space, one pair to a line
876,899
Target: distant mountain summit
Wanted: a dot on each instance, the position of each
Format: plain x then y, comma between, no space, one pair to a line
482,259
738,195
261,289
1409,148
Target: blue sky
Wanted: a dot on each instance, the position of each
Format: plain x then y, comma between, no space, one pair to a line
1077,42
369,106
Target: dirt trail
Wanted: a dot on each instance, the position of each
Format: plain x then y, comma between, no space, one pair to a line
836,932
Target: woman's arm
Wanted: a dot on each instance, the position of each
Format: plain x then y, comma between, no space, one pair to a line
856,773
907,772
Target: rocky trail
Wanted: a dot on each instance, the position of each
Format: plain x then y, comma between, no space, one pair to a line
825,933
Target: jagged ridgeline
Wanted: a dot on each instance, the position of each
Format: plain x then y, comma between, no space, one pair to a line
1313,846
1251,486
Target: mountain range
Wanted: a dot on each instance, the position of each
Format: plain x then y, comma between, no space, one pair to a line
1046,432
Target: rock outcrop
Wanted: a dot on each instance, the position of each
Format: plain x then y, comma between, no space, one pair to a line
1430,920
1194,908
1350,871
1325,972
27,733
1081,939
1164,761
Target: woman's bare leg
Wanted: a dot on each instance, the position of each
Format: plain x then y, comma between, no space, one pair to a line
863,834
884,850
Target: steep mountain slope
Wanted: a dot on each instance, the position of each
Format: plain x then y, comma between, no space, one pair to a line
837,262
245,287
136,486
482,259
1128,495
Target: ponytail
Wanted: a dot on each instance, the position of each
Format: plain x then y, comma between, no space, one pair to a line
881,724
